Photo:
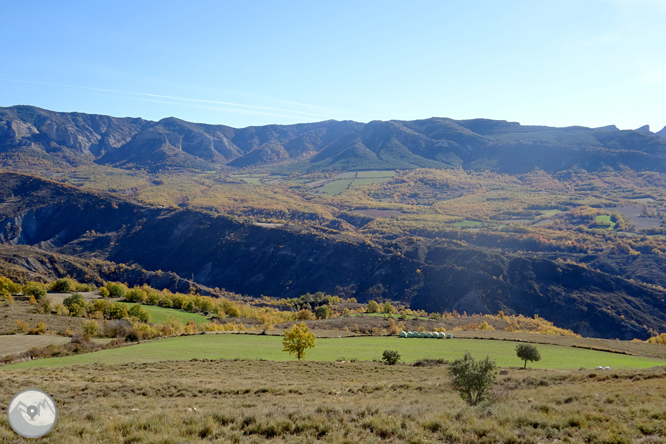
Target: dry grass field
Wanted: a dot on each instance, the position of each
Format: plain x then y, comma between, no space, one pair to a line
243,401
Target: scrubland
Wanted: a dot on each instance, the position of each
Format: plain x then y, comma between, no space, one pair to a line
208,401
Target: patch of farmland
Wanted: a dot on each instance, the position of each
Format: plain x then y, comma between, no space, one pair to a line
11,344
232,346
336,187
368,174
633,213
161,315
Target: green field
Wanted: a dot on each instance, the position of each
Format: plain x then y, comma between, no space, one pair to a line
388,173
605,221
468,223
336,187
231,346
159,315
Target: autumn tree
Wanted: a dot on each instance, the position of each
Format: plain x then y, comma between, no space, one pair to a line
297,339
373,307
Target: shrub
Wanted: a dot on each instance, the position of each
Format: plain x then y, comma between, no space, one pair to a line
35,289
190,306
153,299
90,327
103,292
75,304
485,326
231,310
658,339
44,305
82,287
61,310
136,311
473,379
21,326
62,286
136,295
527,352
391,357
7,287
117,328
297,339
387,308
117,311
116,290
373,307
39,330
304,315
323,312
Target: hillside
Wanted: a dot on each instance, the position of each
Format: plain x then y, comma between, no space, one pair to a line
221,251
33,137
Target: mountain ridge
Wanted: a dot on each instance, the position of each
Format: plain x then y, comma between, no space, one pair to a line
33,135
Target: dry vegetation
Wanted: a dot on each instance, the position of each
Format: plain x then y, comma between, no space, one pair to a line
363,402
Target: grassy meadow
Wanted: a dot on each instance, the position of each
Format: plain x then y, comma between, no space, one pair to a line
161,315
244,346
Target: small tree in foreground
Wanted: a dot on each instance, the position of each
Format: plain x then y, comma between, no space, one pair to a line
297,339
527,352
391,357
473,379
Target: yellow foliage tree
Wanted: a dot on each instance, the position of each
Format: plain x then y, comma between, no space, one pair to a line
297,339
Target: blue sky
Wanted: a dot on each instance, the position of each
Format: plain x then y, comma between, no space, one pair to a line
559,63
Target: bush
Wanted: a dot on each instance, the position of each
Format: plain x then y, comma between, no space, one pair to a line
136,295
62,286
391,357
35,289
473,379
373,307
103,292
136,311
387,308
120,328
75,304
61,310
323,312
116,290
117,311
7,287
153,299
304,315
90,327
527,352
21,326
44,304
39,330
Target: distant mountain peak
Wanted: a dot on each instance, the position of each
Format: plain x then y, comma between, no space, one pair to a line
645,129
662,133
608,128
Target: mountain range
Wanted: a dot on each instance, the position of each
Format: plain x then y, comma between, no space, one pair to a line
33,136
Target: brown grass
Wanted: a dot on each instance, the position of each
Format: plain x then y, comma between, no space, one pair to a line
21,309
365,402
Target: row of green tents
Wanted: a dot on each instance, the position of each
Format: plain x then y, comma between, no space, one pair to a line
425,334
